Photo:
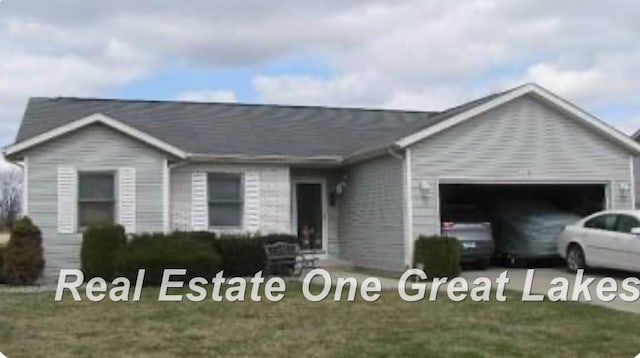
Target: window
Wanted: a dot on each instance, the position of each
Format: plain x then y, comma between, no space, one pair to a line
96,198
626,223
602,222
225,200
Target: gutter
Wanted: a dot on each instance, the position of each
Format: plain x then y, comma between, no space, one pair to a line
271,159
392,152
363,155
324,161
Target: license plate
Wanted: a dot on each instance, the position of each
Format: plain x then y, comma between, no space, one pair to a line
469,245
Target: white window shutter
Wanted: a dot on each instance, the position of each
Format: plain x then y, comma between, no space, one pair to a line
199,202
127,199
252,201
67,200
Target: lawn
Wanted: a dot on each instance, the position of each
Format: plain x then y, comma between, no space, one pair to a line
36,326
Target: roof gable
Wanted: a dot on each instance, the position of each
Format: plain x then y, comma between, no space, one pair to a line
528,89
86,121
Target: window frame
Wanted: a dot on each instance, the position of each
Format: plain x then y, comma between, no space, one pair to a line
620,216
603,216
80,200
240,201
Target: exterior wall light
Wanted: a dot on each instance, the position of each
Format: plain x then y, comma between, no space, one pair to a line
425,188
337,191
624,189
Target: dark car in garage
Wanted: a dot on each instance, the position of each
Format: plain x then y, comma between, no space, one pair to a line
473,231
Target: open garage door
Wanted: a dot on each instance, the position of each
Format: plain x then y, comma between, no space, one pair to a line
581,199
531,213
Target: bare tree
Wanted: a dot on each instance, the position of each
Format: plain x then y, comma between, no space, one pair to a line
11,196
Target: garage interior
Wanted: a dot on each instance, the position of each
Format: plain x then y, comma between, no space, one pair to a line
481,202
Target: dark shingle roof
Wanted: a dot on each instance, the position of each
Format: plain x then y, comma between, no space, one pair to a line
243,129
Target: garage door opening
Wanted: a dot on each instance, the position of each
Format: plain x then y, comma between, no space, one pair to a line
519,218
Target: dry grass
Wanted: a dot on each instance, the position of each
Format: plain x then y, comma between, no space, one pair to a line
36,326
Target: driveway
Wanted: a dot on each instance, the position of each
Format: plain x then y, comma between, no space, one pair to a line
541,282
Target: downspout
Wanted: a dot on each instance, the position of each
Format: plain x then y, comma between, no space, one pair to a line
24,204
407,211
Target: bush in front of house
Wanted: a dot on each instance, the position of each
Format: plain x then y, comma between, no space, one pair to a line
202,236
157,252
100,247
23,255
438,255
242,254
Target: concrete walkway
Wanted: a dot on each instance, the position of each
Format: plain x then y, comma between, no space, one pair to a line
541,283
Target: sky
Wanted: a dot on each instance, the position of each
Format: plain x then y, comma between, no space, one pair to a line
413,54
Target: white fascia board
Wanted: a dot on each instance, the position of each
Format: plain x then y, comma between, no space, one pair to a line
91,119
542,93
25,186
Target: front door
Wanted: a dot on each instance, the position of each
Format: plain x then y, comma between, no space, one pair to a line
309,215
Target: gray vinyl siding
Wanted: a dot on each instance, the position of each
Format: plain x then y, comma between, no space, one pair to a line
371,215
92,148
332,178
275,194
523,140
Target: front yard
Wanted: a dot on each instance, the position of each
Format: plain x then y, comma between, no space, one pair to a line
36,326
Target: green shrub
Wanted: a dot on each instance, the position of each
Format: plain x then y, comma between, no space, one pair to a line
439,256
100,246
23,256
242,255
2,250
154,253
236,254
203,236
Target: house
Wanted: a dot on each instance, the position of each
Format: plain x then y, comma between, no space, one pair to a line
362,183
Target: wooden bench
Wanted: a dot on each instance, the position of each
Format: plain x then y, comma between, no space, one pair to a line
287,258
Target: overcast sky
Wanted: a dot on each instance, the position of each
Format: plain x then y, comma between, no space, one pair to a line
391,54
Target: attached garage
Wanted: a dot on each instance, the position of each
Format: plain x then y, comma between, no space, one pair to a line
522,146
519,221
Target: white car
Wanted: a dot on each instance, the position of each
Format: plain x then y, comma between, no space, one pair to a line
607,239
